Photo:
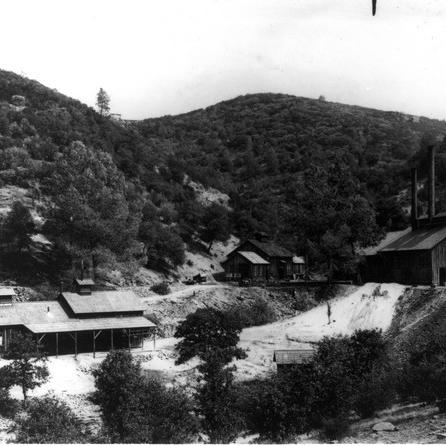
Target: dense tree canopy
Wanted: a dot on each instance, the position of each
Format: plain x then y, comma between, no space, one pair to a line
318,177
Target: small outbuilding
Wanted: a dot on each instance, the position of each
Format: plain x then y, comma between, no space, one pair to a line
287,359
262,261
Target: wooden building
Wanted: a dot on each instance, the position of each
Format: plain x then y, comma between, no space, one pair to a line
80,321
260,260
418,254
288,359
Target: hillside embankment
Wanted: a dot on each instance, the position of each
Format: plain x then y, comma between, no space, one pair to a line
400,311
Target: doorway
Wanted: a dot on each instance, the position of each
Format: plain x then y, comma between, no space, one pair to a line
442,273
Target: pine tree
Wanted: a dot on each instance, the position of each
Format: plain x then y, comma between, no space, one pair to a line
103,102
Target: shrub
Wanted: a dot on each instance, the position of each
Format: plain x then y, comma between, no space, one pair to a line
260,313
375,392
161,288
48,420
205,330
28,367
335,428
217,399
137,410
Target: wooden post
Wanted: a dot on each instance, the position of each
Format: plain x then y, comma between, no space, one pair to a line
75,344
128,333
154,340
142,342
95,336
111,337
57,345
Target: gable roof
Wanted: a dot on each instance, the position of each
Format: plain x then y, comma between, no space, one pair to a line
293,356
389,238
418,240
104,302
271,249
252,257
84,282
7,291
50,317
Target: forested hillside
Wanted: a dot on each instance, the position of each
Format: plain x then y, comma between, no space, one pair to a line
321,178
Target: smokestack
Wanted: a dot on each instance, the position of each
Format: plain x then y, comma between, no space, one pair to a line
431,204
414,208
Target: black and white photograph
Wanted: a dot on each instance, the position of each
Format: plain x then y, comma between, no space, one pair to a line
222,221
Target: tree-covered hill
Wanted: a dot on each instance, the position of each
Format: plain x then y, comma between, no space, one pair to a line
315,175
321,178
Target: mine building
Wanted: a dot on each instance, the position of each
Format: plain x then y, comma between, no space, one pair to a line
289,359
417,255
82,320
262,261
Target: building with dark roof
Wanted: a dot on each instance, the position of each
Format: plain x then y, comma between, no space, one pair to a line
81,321
417,255
261,261
286,359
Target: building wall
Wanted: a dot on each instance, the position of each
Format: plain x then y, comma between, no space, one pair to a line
275,265
405,267
438,262
237,268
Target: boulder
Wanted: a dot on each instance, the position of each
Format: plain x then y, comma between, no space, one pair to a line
383,426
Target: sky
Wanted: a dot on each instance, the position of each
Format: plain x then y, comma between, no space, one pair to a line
158,57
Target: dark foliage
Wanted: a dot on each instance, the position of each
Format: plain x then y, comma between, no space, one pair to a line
48,420
137,410
260,312
17,228
161,288
216,397
207,330
345,375
318,177
28,368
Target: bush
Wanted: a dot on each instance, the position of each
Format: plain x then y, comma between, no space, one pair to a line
335,428
260,313
375,392
161,288
8,406
48,420
137,410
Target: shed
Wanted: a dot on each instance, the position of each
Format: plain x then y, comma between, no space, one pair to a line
286,359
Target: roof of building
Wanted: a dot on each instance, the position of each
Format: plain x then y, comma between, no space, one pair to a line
420,239
7,291
387,240
50,317
104,302
101,323
84,282
287,357
252,257
298,260
271,249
